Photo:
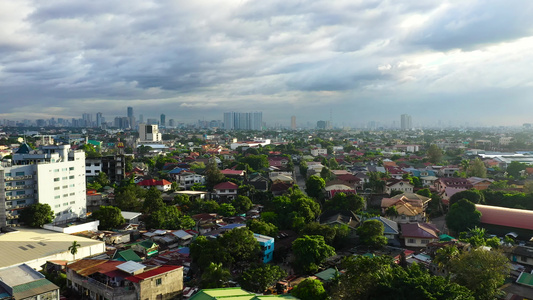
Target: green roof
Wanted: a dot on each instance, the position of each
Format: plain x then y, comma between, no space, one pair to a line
525,279
235,293
223,293
33,288
327,274
128,255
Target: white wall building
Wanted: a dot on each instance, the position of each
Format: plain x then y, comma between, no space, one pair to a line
149,133
54,175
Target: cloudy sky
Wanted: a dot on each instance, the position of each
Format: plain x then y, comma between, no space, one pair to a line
453,61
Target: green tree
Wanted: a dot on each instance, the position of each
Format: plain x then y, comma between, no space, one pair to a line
310,289
169,217
481,271
258,279
391,211
310,252
110,217
326,231
152,201
262,227
371,233
215,276
434,154
204,251
226,210
127,199
36,215
74,248
325,174
477,168
213,176
424,192
102,179
514,169
462,216
472,195
444,256
241,247
256,162
314,187
242,204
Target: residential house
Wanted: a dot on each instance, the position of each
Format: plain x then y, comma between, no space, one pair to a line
398,185
333,189
407,212
127,255
454,183
131,217
233,293
237,174
146,248
279,188
23,282
391,231
395,172
186,180
279,162
319,151
480,183
162,185
428,181
522,255
447,171
258,181
102,279
226,190
340,217
267,247
412,198
419,234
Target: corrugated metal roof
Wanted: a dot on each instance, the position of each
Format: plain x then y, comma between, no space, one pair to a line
33,288
154,272
510,217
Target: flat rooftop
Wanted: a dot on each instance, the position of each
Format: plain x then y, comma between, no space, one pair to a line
28,244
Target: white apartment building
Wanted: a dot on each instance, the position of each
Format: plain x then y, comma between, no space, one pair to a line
149,133
54,175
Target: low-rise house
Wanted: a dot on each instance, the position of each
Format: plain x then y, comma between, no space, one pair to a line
267,247
280,188
147,248
162,185
391,231
237,174
23,282
447,171
407,212
319,151
127,255
419,234
333,189
226,190
186,180
453,183
103,279
340,217
480,183
398,185
259,182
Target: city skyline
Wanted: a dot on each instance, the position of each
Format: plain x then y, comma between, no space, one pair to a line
446,60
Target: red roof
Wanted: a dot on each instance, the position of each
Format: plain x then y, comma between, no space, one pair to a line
152,273
232,172
226,186
420,230
510,217
153,182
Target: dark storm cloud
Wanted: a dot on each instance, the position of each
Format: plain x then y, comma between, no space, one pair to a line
198,58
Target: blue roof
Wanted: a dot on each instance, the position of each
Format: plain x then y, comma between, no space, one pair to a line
231,226
177,170
390,226
24,149
184,250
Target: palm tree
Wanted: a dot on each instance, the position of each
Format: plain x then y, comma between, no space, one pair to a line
74,248
444,256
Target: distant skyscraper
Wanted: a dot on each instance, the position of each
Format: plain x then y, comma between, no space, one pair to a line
163,121
243,121
406,122
131,118
321,124
293,122
141,119
171,123
99,119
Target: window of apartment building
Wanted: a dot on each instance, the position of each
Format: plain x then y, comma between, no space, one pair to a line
65,204
72,185
72,202
57,205
57,197
523,258
19,174
97,164
56,188
411,241
21,192
21,202
64,178
20,183
65,195
71,177
9,193
63,169
71,169
8,183
158,281
72,194
424,242
87,171
8,174
56,179
56,170
65,186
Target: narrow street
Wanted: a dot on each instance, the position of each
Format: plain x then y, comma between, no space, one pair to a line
299,179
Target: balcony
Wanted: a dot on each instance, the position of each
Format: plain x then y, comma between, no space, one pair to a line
18,177
26,196
107,291
20,187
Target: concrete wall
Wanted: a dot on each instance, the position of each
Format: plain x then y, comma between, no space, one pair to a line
418,242
171,285
89,226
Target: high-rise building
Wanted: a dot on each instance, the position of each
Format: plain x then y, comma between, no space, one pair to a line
149,133
54,175
293,122
243,121
171,123
131,118
141,118
406,122
99,120
163,120
321,124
